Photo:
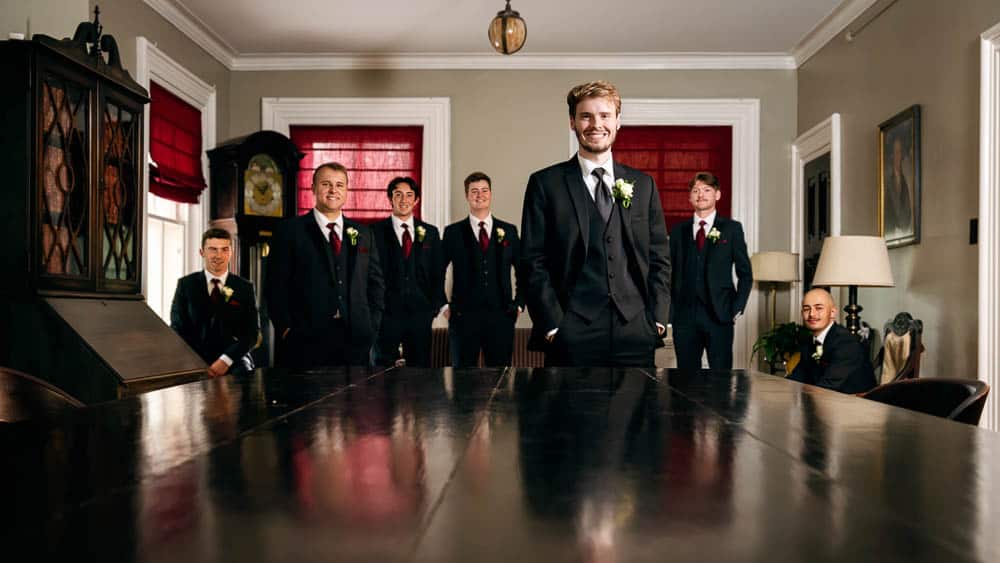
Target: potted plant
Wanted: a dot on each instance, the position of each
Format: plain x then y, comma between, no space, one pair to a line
780,346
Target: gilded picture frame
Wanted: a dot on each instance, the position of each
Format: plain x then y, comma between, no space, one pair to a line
899,178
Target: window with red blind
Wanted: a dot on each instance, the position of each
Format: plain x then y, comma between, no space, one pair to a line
175,147
672,155
372,156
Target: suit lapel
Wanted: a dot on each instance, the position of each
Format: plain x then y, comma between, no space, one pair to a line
314,233
621,173
579,195
719,224
352,249
471,244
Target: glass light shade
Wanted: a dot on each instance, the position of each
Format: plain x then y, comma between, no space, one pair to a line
507,31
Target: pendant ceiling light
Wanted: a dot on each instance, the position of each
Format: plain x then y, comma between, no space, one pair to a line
508,31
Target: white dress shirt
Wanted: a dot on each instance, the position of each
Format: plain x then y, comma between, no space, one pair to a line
587,167
222,282
709,223
822,336
474,221
397,226
323,221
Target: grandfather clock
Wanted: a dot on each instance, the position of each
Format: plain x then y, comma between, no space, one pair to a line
253,185
71,210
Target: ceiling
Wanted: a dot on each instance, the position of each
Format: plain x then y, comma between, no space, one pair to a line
247,30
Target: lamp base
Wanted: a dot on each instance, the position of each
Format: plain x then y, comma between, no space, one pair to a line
853,310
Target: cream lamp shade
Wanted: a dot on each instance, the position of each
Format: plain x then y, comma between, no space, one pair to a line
772,266
854,260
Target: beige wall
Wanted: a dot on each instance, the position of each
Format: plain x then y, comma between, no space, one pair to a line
57,18
128,19
510,123
917,52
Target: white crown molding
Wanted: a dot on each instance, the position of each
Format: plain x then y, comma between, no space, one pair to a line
828,28
524,61
433,114
196,30
743,115
989,218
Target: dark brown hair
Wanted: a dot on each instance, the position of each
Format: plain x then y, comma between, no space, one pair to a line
706,178
216,232
335,166
475,177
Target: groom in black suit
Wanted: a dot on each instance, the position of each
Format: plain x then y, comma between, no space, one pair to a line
324,282
833,357
595,263
410,255
704,251
215,311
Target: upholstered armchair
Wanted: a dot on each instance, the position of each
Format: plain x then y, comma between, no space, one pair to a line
902,345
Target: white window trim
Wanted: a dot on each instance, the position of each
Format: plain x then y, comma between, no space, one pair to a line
743,115
989,219
433,114
824,138
153,64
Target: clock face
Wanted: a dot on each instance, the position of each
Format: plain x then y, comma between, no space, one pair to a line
262,185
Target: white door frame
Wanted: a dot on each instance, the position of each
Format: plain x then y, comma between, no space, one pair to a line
743,116
989,220
823,138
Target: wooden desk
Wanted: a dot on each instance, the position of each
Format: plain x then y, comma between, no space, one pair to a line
492,465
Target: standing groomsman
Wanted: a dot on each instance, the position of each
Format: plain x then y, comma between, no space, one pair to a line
410,255
704,252
325,289
483,251
596,266
215,311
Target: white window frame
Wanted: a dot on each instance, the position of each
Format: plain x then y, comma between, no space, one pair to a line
433,114
152,64
989,219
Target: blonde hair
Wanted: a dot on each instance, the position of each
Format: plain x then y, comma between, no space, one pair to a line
596,89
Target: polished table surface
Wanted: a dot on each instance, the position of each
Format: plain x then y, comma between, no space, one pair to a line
499,465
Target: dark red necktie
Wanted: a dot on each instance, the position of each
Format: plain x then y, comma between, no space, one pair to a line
699,239
407,241
484,239
334,238
216,292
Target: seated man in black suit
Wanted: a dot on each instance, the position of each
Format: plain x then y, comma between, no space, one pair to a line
215,311
324,283
833,358
483,251
410,253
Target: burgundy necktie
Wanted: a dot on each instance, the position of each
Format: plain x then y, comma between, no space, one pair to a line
484,239
699,239
216,292
334,238
407,241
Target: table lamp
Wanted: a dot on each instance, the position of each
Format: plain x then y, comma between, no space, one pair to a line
774,267
853,261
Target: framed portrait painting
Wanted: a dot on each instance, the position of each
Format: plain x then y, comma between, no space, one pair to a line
899,178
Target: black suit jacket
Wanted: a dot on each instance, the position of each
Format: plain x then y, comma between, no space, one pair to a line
301,266
556,228
211,330
720,256
428,259
461,246
844,365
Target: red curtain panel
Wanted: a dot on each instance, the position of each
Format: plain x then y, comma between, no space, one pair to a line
175,147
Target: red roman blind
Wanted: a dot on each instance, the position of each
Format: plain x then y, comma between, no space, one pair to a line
372,155
672,155
175,147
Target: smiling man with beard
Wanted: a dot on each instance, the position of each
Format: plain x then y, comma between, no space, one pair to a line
596,265
324,284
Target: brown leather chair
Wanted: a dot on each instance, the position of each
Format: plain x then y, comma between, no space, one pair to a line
23,397
961,400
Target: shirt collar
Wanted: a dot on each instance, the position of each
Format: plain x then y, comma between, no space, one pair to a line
709,221
397,223
475,223
587,166
821,337
209,277
323,221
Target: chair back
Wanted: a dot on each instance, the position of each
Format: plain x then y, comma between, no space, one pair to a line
961,400
902,345
23,397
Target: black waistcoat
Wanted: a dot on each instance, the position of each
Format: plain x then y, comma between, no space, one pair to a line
695,282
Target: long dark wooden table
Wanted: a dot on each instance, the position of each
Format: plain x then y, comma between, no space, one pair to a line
499,465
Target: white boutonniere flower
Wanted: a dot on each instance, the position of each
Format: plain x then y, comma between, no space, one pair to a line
227,292
818,353
500,234
714,235
623,190
352,233
421,233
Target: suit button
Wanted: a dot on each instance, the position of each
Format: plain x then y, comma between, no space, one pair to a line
339,282
611,257
611,275
608,239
